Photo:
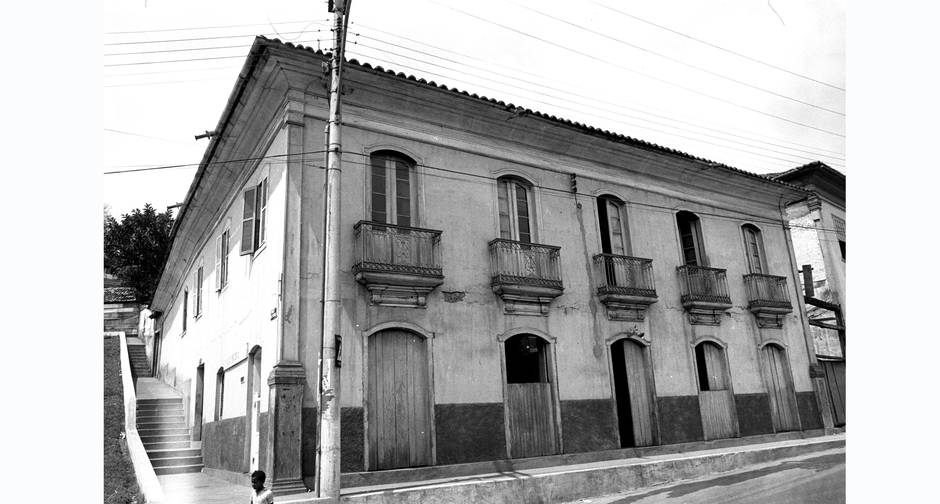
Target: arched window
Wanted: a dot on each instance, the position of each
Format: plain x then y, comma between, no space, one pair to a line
219,391
516,209
690,239
392,189
612,217
754,247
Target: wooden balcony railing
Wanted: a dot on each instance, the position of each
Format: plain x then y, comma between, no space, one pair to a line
699,284
618,274
518,263
767,291
385,248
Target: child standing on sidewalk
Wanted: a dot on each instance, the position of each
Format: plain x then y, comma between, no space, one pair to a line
260,494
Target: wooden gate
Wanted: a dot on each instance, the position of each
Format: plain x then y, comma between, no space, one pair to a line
399,420
835,384
634,394
780,389
715,398
530,401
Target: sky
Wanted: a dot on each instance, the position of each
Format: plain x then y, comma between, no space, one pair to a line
756,85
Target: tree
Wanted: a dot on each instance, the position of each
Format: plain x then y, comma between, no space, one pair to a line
136,247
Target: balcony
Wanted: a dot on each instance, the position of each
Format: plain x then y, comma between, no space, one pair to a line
399,265
624,285
768,299
527,276
704,293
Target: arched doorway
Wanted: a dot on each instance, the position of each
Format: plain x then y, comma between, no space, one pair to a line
716,400
633,390
777,377
399,400
254,408
530,401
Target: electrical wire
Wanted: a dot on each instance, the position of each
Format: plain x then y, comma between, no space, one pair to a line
619,120
755,60
678,61
213,27
657,79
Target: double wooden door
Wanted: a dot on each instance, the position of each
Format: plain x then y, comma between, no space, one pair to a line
719,418
835,385
530,400
399,399
780,389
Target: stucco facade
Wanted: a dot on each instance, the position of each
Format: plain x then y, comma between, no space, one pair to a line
459,149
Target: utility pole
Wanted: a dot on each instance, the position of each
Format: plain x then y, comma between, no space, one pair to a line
328,425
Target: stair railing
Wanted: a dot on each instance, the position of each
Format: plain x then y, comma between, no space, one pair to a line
146,477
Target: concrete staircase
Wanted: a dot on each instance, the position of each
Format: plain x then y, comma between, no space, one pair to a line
140,364
163,431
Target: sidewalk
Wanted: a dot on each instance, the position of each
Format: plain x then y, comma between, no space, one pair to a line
563,483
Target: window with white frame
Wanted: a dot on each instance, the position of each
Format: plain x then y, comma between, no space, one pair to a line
254,215
198,307
516,208
185,307
392,191
840,234
690,239
612,218
221,260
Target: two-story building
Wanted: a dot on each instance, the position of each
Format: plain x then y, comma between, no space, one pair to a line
513,284
817,226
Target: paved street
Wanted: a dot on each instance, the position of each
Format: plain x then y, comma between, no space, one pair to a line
818,478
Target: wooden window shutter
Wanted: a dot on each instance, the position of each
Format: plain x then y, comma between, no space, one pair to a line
218,263
522,213
615,225
261,214
248,223
379,201
505,229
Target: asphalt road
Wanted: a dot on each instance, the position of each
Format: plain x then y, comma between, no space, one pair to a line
812,479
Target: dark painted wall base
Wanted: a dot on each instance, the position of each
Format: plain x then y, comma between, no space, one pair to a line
223,444
469,432
753,414
680,419
589,425
351,441
809,410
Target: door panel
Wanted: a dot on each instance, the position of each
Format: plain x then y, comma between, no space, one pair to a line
398,401
780,389
835,382
531,423
641,409
717,414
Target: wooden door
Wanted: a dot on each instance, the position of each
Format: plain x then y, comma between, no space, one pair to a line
255,411
835,384
715,398
634,394
197,410
399,398
530,401
780,389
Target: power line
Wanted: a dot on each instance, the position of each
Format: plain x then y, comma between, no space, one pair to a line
680,62
517,69
193,165
664,81
194,39
173,61
140,135
214,27
729,51
201,48
566,100
789,162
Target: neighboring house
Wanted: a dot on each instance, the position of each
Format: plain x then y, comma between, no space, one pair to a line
513,284
818,230
121,307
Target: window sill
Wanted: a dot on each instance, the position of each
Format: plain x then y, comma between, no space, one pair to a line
259,250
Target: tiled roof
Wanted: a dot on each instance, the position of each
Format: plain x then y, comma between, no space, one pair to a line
119,295
609,135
